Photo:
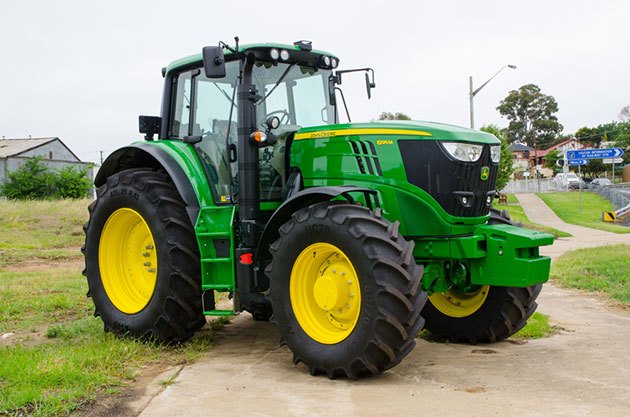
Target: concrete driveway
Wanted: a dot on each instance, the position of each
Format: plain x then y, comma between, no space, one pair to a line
584,370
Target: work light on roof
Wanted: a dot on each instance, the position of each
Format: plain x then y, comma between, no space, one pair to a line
274,54
284,55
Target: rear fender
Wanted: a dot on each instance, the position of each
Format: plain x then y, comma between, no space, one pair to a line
145,155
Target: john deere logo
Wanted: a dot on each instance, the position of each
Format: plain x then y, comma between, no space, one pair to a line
485,173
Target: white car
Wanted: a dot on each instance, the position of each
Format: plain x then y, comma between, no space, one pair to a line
568,180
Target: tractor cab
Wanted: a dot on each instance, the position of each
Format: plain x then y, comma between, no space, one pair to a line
293,90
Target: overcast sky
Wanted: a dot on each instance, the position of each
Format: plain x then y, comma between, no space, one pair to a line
84,70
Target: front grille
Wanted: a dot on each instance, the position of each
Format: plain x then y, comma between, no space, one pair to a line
448,180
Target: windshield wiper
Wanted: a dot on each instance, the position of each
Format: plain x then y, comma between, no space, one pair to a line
284,74
225,94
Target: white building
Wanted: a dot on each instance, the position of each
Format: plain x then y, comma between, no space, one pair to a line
55,154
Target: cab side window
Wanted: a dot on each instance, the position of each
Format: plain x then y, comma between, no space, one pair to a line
201,107
180,106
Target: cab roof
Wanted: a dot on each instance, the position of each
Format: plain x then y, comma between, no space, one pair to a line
194,59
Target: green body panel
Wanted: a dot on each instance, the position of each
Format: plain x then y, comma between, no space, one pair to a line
511,258
214,227
332,161
500,255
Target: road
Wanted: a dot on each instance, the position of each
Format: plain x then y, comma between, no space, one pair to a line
584,370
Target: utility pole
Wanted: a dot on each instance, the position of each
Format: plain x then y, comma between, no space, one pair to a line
472,93
101,157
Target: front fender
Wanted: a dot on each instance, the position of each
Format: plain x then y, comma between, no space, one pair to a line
300,200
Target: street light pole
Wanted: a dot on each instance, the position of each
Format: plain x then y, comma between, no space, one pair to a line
472,93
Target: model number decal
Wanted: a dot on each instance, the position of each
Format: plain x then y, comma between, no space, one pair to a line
124,192
317,228
384,142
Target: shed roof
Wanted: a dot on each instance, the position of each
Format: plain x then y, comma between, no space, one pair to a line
12,147
517,147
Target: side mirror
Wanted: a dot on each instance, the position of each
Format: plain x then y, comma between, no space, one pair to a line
369,84
149,125
332,97
213,61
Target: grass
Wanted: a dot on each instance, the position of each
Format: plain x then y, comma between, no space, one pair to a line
537,327
518,215
567,207
59,357
603,269
42,225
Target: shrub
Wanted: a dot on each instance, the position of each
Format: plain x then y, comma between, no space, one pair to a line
34,180
72,182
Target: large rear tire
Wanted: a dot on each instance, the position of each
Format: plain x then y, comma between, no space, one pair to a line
345,290
142,260
487,314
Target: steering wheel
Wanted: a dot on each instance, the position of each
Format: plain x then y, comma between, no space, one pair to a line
283,115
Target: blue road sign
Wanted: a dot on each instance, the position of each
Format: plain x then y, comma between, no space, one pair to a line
595,153
576,162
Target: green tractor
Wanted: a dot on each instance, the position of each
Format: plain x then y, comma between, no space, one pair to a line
337,232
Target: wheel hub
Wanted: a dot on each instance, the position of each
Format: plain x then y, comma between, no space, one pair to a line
459,304
325,293
128,261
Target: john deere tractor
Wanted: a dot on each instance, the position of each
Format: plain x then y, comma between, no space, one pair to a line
337,232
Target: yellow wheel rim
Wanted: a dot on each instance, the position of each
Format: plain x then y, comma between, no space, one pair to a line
458,304
325,293
127,260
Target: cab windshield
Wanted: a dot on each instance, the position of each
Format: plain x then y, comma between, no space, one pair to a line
298,95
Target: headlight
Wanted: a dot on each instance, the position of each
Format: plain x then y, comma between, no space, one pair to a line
463,151
495,153
284,55
275,54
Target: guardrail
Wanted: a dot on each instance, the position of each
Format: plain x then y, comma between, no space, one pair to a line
619,195
541,185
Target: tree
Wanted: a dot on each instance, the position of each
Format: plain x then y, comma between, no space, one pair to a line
624,114
393,116
588,135
550,161
531,115
593,168
506,167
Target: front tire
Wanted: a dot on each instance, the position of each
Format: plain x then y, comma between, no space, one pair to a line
486,315
142,260
345,290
